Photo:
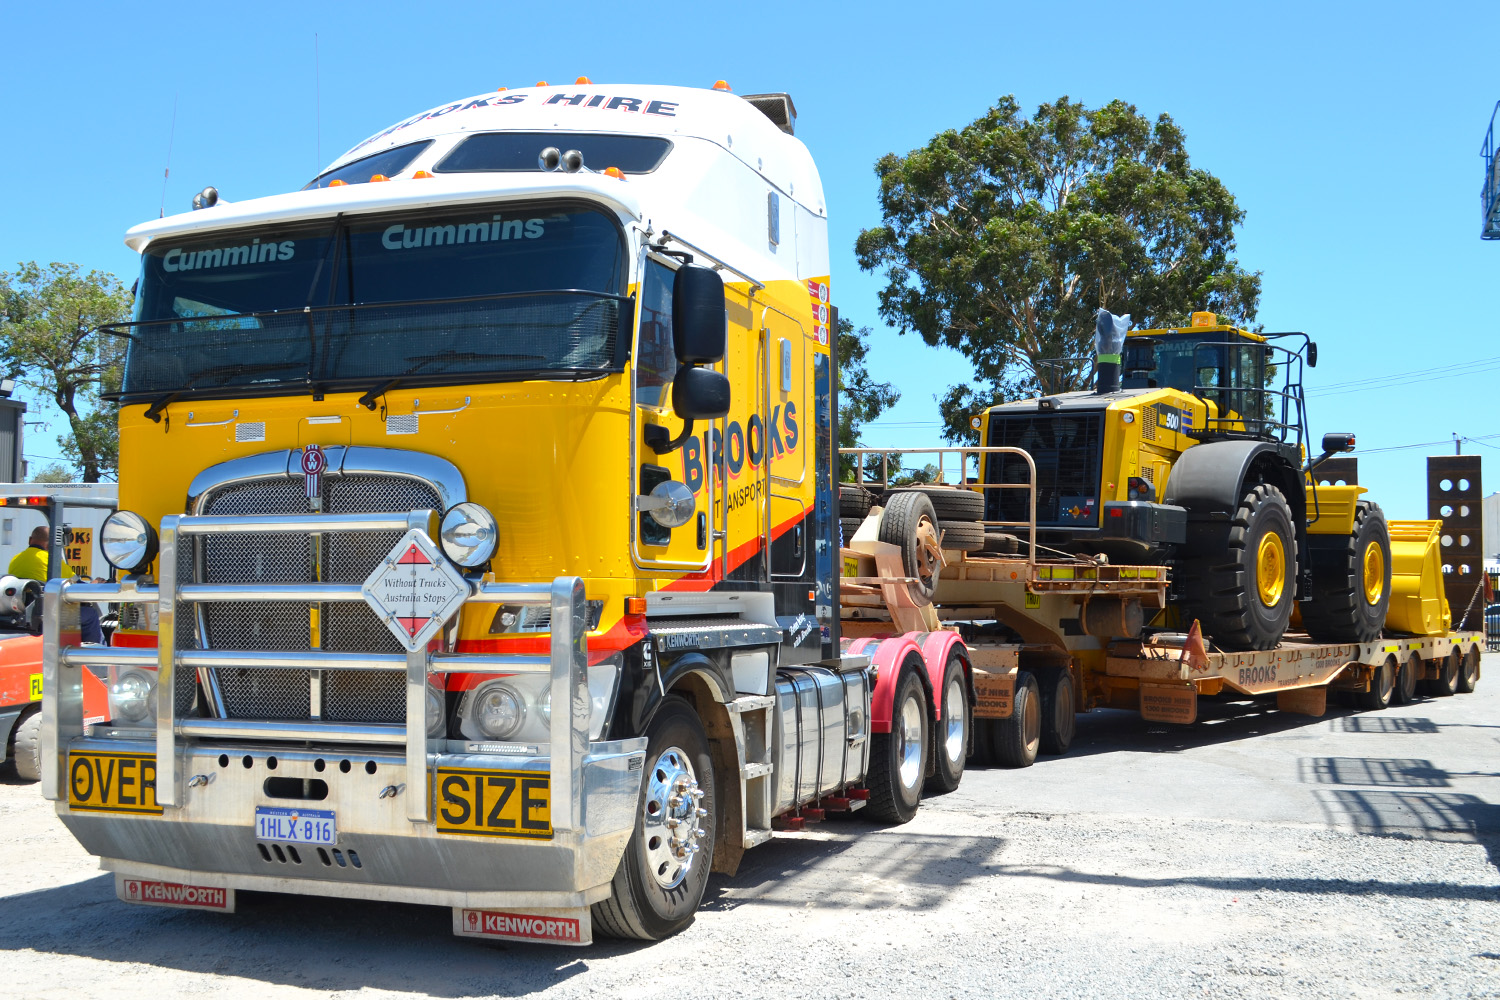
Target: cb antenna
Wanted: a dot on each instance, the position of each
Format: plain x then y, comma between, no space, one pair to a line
171,134
317,104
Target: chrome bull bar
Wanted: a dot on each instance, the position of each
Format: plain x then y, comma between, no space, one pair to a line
63,658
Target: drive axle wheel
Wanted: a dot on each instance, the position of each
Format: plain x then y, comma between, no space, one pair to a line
898,759
1351,574
661,878
952,730
1468,674
1382,681
1018,738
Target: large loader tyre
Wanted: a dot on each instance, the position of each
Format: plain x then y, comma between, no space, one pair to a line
1240,583
950,503
28,747
854,501
1382,684
1468,674
910,523
1446,682
1059,710
1018,738
951,734
1351,580
1405,690
964,536
660,881
898,759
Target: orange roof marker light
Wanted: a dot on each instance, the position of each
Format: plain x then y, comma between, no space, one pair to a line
723,85
420,175
614,172
336,183
583,81
501,90
376,178
541,83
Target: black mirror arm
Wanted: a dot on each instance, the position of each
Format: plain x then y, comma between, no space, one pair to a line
659,439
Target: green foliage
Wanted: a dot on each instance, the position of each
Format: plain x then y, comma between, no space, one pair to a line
49,341
1001,239
53,473
861,398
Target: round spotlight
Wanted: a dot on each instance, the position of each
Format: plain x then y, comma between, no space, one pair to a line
469,534
130,696
499,712
128,541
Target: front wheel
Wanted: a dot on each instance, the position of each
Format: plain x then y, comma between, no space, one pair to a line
898,759
28,748
952,730
1239,580
661,879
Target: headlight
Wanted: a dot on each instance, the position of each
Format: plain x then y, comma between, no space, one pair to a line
130,697
499,711
128,541
518,709
437,724
469,534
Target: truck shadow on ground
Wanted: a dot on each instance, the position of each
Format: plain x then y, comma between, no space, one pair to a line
309,942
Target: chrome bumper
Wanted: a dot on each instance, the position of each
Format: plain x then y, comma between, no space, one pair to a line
207,820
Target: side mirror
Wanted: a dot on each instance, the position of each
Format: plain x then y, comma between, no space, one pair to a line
1312,354
699,321
700,394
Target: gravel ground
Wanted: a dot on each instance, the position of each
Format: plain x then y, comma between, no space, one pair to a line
1253,855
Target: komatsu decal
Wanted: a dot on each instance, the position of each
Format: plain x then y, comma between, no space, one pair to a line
254,252
400,237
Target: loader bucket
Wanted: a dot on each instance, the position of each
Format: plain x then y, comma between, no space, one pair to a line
1418,605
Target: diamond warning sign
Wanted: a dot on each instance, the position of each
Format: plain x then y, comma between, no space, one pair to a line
415,590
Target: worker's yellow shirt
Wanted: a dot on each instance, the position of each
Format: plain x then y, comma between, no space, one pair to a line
31,564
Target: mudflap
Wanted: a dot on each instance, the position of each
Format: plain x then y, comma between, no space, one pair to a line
566,926
153,892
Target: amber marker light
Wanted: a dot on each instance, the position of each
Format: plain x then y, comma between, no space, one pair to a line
723,85
376,178
501,90
583,80
635,605
420,175
614,172
541,83
336,183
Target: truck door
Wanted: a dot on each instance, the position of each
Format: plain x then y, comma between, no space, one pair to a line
785,419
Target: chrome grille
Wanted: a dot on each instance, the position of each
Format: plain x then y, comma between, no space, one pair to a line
348,696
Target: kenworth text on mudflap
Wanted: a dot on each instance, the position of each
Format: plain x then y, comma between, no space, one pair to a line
477,537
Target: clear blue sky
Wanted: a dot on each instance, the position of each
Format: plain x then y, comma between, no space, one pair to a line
1349,133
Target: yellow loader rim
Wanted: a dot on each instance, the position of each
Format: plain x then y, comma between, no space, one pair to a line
1270,569
1374,573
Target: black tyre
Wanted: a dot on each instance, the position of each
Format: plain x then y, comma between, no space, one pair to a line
951,734
1468,674
1351,580
854,500
1405,691
28,747
1018,738
950,503
1382,684
963,536
898,759
1445,684
910,523
849,525
1007,545
1059,710
981,755
661,878
1240,582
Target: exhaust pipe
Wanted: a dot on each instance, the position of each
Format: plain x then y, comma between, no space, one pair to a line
1109,341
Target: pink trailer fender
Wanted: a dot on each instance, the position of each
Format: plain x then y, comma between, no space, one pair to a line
925,652
936,648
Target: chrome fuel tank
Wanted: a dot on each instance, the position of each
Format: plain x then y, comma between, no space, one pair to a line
821,733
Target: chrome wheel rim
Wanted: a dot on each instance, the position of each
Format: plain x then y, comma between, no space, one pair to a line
909,743
954,739
674,805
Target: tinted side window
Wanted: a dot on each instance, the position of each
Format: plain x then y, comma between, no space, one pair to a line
513,151
656,358
388,164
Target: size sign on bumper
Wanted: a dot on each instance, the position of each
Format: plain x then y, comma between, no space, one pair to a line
296,826
150,892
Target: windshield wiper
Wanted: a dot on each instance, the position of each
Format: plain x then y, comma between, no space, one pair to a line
238,368
380,389
423,359
153,412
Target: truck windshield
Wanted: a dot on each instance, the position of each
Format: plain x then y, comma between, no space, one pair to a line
440,296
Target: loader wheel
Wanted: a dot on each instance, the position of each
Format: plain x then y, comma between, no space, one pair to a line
28,748
1351,580
910,523
1405,691
1381,685
1446,682
898,759
854,501
964,536
952,733
948,502
1059,711
1468,676
660,881
1018,738
1240,582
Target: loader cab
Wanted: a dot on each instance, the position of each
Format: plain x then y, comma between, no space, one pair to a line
1223,365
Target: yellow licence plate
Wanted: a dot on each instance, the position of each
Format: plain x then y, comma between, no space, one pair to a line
493,803
112,782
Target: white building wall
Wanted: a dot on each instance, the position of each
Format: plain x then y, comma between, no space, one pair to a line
16,523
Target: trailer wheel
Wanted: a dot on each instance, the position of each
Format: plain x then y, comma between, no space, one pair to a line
1059,711
1382,682
660,881
953,729
1406,681
1241,583
848,526
1351,580
910,523
1468,676
1446,682
898,759
948,502
963,536
1018,738
854,501
28,747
